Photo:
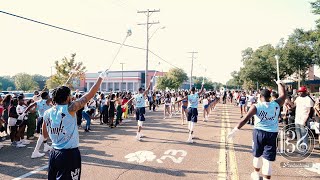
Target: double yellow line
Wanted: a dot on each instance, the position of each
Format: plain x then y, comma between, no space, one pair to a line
227,158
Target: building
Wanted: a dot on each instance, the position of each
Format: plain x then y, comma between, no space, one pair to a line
119,80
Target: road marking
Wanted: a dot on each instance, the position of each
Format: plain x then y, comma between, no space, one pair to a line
142,156
232,156
222,175
32,172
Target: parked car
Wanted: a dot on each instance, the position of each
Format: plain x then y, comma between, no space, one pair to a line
28,96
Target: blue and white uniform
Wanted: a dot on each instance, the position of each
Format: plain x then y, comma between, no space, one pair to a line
140,107
193,107
41,108
242,100
266,130
65,158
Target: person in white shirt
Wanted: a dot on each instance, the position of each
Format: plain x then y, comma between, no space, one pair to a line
173,105
303,104
205,103
21,122
251,99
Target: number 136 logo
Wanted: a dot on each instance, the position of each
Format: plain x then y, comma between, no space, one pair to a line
295,142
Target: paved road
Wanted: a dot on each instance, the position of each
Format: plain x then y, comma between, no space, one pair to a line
162,154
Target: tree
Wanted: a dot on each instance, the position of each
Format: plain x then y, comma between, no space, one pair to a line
64,69
0,86
173,79
7,83
41,80
316,10
25,82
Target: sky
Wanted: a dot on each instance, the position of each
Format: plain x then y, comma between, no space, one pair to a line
218,30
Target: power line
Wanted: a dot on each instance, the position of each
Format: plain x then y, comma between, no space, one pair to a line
83,34
68,30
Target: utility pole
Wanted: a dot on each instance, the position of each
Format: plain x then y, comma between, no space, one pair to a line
121,76
148,13
192,66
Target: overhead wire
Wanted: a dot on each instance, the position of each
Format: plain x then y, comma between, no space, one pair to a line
86,35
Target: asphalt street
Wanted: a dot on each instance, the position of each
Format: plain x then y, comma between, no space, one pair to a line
163,152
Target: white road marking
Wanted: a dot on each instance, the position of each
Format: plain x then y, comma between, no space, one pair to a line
32,172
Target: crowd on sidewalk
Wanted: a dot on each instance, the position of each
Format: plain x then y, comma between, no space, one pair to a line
111,108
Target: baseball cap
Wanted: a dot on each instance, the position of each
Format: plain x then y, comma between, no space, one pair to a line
302,89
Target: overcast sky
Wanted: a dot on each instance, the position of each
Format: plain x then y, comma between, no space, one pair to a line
219,30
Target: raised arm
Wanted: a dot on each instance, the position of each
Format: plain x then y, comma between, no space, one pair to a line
32,105
80,103
201,90
282,93
147,90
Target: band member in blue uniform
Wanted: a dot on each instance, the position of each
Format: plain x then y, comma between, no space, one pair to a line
265,131
140,109
60,124
193,101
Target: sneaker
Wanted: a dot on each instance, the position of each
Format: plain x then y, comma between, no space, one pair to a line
36,154
141,135
31,138
14,144
255,176
46,148
86,130
138,137
1,146
164,118
170,116
20,145
189,140
25,142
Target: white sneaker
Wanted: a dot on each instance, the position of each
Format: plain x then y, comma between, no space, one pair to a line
189,140
36,154
164,118
46,148
255,176
141,135
138,137
20,145
170,116
25,142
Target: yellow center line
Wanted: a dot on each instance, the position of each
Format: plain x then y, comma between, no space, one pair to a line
222,170
232,156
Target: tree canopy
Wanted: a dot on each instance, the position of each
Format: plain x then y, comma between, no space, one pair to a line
24,82
65,68
299,52
172,80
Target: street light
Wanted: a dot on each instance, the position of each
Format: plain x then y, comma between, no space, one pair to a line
161,27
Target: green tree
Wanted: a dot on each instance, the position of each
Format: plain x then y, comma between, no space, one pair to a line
41,80
173,79
25,82
64,69
315,5
7,82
